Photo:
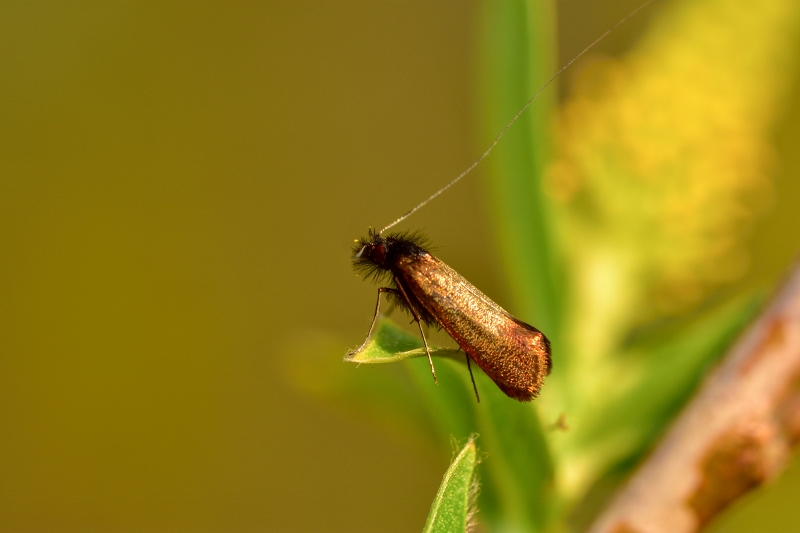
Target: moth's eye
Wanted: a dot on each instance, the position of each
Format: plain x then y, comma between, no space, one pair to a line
379,253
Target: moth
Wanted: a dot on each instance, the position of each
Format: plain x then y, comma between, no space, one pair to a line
515,355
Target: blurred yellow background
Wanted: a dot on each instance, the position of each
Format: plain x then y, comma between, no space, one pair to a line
179,187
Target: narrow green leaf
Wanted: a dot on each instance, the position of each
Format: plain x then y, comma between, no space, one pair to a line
621,430
451,508
518,51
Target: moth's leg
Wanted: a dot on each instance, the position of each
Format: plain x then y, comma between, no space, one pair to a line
375,317
419,324
475,387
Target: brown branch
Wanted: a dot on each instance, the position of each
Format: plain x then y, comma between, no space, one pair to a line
734,435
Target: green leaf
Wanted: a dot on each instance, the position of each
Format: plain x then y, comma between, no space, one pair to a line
518,55
390,344
451,508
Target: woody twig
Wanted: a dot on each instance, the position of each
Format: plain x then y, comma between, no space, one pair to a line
733,436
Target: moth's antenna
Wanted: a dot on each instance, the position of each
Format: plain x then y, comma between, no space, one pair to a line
519,113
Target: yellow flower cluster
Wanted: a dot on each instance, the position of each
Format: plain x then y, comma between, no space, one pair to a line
664,158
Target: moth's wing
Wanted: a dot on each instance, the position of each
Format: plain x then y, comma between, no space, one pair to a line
547,349
515,355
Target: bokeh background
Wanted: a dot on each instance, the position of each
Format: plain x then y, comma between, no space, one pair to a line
179,187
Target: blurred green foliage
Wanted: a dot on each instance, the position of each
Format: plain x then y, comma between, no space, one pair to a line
621,234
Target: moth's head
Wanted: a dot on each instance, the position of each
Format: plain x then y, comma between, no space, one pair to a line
371,252
375,255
